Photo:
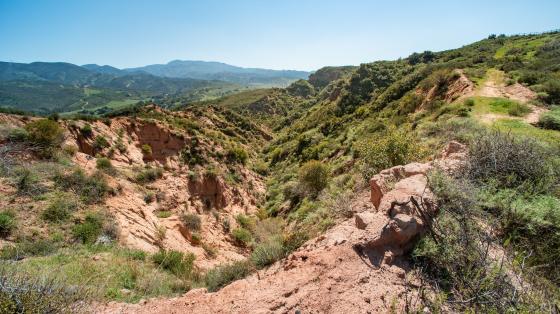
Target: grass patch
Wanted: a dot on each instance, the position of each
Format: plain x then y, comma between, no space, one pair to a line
219,277
115,274
176,262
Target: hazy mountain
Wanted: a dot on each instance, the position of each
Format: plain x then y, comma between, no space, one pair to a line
104,69
59,86
206,70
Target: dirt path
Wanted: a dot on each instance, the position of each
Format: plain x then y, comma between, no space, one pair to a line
494,86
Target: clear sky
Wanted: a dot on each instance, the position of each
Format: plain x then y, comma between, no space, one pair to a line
287,34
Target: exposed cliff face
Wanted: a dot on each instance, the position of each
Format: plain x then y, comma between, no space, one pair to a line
355,267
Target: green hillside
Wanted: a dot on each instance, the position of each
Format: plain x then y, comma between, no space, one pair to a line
43,87
381,114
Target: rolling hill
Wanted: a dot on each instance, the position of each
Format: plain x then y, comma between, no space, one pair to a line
205,70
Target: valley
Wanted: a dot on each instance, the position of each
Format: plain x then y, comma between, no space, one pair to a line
426,184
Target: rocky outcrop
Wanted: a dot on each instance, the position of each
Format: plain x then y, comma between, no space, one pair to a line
163,143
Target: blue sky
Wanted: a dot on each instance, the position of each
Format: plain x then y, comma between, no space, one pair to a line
289,34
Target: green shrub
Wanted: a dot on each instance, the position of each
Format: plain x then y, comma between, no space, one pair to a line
196,238
192,221
164,214
92,189
518,110
7,223
237,154
18,135
104,164
551,91
455,256
314,176
267,253
100,143
245,221
469,102
26,181
509,162
242,236
86,130
60,208
221,276
149,197
90,229
395,147
149,175
21,293
532,225
44,132
175,262
146,149
550,120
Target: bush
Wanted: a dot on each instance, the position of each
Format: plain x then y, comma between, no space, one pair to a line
196,238
86,130
501,159
104,164
149,175
242,236
192,221
146,149
90,229
267,253
551,91
518,110
149,197
20,293
92,189
26,181
245,221
100,143
469,102
7,223
314,176
455,257
237,154
175,262
221,276
550,120
44,132
395,147
60,208
18,135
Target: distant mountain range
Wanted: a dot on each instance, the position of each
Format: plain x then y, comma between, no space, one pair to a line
205,70
61,87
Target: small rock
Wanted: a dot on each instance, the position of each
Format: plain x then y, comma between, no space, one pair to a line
364,219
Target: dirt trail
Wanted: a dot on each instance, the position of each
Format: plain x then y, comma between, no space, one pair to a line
494,86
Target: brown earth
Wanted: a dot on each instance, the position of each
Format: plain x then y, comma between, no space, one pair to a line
177,192
355,267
